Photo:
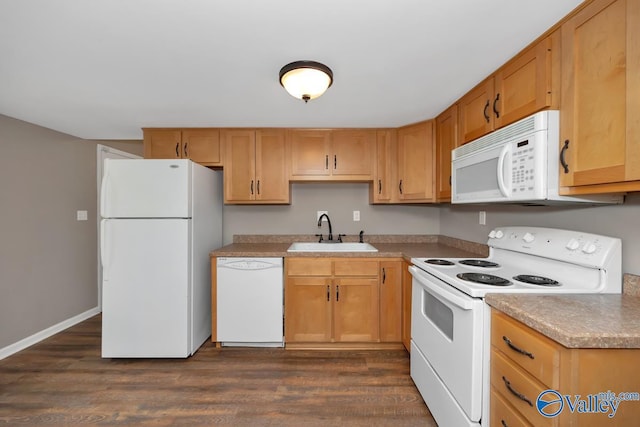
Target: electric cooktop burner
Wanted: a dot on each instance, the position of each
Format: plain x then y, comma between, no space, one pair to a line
484,279
439,262
479,263
536,280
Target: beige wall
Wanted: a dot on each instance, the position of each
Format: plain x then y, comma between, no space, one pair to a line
621,221
48,265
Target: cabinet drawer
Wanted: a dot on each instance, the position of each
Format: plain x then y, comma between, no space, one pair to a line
308,266
542,356
508,379
503,414
355,267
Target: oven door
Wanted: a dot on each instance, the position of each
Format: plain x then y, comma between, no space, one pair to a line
447,326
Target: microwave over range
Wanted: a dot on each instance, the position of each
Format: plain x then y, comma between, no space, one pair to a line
519,163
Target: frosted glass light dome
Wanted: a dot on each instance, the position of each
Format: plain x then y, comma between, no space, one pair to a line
306,79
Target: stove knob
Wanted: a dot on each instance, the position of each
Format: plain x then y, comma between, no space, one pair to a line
492,234
528,237
589,248
573,244
499,234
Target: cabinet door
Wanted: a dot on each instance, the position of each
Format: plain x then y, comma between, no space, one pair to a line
162,143
390,301
381,190
352,153
416,162
310,154
595,75
523,85
202,146
308,309
272,172
355,316
476,118
446,140
239,170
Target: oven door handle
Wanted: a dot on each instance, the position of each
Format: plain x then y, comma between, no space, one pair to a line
444,294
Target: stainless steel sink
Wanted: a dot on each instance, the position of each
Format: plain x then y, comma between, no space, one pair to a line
331,247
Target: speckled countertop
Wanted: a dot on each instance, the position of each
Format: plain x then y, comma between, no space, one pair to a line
389,246
577,321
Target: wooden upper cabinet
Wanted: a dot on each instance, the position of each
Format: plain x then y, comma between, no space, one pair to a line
256,167
340,155
446,140
200,145
381,190
518,89
415,172
599,120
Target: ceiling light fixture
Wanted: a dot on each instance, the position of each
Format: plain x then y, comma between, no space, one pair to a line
306,79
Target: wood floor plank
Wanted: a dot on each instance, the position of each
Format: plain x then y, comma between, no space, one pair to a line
64,381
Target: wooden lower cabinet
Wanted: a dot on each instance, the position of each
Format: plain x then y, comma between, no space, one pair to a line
524,363
342,300
407,281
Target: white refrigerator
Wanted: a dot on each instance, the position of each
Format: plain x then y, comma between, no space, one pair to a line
161,218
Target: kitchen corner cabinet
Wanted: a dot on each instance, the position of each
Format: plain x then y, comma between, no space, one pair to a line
525,363
332,155
200,145
519,88
446,140
599,120
256,170
390,301
381,190
415,173
331,300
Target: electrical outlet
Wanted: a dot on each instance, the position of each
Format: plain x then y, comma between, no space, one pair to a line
81,215
319,214
482,218
356,215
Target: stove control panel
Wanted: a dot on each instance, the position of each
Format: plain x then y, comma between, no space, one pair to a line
566,245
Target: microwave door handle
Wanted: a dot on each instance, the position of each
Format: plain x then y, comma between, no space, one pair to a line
500,171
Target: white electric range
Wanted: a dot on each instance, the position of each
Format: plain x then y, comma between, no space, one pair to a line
450,323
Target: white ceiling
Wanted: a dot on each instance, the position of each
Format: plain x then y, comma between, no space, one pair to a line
102,69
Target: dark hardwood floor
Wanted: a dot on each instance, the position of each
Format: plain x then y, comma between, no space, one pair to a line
64,381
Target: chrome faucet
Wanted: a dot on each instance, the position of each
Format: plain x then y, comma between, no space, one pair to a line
324,215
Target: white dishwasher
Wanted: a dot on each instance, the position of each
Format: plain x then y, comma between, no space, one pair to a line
250,295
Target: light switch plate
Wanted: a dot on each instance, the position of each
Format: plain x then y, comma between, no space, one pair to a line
482,218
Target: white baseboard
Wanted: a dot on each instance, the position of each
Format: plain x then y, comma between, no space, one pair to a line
46,333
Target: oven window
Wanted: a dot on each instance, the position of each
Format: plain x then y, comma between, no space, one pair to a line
438,313
477,177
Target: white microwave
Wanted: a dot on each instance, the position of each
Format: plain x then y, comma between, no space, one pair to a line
516,164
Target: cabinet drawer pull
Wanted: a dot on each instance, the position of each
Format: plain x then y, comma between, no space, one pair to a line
258,186
326,161
337,293
252,187
514,348
516,393
328,293
400,186
563,162
495,105
335,162
177,152
484,112
379,186
186,154
384,276
504,423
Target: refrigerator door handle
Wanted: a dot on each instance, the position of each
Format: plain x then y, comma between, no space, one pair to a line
103,194
103,249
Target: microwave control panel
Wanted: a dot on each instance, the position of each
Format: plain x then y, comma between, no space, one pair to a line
523,167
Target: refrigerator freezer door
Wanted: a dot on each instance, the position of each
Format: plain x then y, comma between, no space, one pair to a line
146,188
146,288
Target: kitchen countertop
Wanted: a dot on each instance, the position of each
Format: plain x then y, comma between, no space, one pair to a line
577,321
406,247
